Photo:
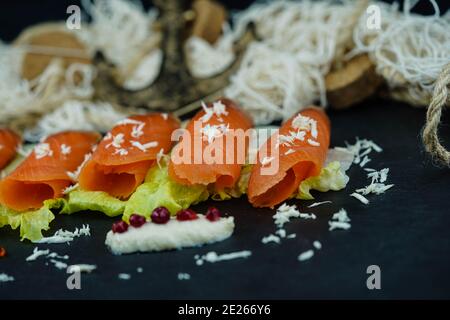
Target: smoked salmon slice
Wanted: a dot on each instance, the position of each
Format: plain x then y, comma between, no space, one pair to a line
296,153
44,174
9,141
124,156
214,147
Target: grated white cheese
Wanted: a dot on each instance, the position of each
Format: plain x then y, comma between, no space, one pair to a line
211,132
81,268
284,213
160,155
281,233
144,147
59,264
165,116
65,149
317,245
338,225
140,270
361,149
307,216
377,185
364,161
74,175
64,236
306,255
340,220
341,216
121,151
271,238
315,204
218,109
291,236
289,140
70,188
36,254
137,130
313,143
117,141
266,160
360,197
5,278
184,276
128,121
55,255
42,150
305,123
213,257
289,151
124,276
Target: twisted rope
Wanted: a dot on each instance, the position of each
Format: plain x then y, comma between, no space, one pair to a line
430,132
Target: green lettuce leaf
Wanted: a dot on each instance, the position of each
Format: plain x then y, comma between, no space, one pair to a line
80,200
331,177
159,190
31,223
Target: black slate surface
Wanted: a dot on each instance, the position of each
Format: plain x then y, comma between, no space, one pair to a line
405,232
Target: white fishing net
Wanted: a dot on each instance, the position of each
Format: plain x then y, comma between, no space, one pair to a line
284,72
206,60
281,73
409,50
76,115
20,97
125,33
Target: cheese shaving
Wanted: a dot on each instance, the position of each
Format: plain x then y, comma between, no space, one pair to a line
218,109
306,255
59,264
42,150
271,238
124,276
339,220
317,245
213,257
36,254
88,268
284,213
183,276
313,143
65,149
6,278
64,236
266,160
315,204
69,189
360,197
117,141
281,233
211,132
159,156
144,147
74,175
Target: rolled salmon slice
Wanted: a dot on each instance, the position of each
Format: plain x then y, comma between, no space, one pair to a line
124,156
295,153
214,147
9,141
44,174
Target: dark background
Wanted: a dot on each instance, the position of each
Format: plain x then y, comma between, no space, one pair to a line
405,231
